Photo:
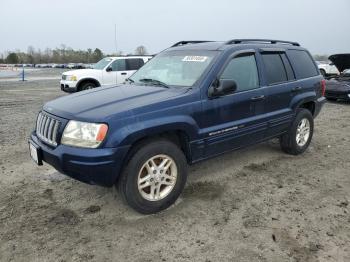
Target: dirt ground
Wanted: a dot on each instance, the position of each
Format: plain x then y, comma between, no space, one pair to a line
256,204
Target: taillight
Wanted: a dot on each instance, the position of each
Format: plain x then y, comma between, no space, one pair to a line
323,87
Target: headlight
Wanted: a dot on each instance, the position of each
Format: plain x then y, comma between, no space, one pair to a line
81,134
71,78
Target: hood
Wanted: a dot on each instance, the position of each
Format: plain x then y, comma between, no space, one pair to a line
83,72
105,102
341,61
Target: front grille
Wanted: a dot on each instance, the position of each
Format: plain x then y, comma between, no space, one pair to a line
47,128
64,77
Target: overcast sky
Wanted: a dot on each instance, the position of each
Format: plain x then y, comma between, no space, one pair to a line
320,25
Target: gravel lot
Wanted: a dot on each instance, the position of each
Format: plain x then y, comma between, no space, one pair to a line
256,204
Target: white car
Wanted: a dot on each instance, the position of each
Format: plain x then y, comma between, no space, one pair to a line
107,72
327,68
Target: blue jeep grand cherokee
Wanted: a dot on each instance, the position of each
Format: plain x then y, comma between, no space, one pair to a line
192,101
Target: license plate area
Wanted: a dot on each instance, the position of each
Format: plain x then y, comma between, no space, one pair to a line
35,153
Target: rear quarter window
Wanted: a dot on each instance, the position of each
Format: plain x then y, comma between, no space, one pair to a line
302,63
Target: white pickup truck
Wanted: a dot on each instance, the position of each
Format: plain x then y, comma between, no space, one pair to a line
107,72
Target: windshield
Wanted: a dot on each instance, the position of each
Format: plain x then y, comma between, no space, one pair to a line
102,63
174,68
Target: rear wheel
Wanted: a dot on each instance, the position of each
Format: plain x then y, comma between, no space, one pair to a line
299,136
154,177
87,86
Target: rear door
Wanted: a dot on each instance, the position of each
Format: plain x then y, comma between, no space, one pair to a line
232,121
279,87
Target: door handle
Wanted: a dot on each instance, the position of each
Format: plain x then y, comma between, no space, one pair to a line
296,89
123,74
257,98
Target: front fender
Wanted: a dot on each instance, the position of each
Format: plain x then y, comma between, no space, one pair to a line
141,129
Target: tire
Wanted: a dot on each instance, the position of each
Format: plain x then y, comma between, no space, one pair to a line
147,200
323,72
331,99
293,144
87,86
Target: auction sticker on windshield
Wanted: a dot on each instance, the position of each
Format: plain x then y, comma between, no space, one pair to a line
195,58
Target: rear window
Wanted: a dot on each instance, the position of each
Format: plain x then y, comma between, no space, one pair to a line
302,63
134,63
275,72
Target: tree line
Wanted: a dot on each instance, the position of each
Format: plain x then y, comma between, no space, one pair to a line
60,55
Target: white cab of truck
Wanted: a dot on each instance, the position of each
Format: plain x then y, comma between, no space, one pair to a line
327,68
108,71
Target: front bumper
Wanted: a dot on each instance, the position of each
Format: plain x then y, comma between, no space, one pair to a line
93,166
68,86
319,104
343,95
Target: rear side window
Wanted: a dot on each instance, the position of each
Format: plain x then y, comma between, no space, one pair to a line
302,63
274,68
134,63
243,71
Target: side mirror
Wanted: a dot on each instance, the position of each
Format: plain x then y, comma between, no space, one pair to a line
222,87
109,69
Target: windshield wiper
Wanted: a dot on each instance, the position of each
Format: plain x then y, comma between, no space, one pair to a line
129,80
154,82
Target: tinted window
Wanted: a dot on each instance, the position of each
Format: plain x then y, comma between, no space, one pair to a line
274,69
243,70
134,63
288,67
119,65
302,63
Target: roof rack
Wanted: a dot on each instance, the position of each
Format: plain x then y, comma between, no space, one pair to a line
239,41
189,42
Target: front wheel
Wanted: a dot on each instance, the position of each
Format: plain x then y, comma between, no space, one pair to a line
154,177
299,136
87,86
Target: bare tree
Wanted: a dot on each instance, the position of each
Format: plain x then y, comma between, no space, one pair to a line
30,55
140,50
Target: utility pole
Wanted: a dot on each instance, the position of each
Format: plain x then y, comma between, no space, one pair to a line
115,38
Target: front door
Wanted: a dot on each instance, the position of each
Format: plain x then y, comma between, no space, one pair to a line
117,73
233,121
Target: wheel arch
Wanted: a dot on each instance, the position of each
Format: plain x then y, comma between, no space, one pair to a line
306,100
87,79
311,105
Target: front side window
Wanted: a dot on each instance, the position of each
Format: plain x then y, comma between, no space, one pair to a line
119,65
175,68
243,71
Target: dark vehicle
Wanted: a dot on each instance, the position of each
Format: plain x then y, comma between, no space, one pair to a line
191,102
338,87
